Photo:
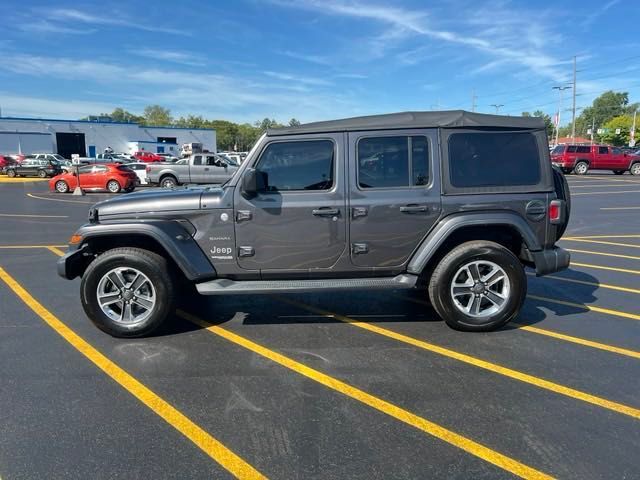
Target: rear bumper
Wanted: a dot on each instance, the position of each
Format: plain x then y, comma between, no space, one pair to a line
550,260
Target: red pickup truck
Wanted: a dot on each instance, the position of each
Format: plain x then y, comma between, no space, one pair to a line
579,159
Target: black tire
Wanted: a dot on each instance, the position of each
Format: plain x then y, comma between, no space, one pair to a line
62,186
581,168
440,286
42,174
153,266
169,181
11,173
113,186
635,169
562,192
618,172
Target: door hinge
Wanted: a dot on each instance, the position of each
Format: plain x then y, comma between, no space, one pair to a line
359,212
246,252
359,248
243,215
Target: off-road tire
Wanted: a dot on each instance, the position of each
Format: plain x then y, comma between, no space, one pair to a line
561,187
441,282
156,269
581,168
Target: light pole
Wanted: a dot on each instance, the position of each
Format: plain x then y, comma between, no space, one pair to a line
560,89
497,106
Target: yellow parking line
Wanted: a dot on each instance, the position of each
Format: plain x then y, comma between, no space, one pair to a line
4,179
18,247
592,284
55,250
209,445
468,359
405,416
604,193
615,313
602,267
601,242
603,254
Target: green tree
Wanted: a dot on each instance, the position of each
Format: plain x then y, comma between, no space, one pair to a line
267,123
226,133
122,115
191,121
247,136
155,115
294,122
547,121
604,108
624,123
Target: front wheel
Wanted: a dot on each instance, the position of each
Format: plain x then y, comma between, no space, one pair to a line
128,292
581,168
42,174
113,186
635,169
62,186
11,173
478,286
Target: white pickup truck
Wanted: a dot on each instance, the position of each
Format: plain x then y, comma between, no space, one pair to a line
198,168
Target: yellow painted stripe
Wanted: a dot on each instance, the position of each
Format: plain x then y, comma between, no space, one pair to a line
591,284
579,341
603,254
18,247
455,439
31,195
209,445
468,359
55,250
605,193
601,236
5,179
607,311
602,267
602,242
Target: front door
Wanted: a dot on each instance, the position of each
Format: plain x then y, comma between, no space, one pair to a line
196,170
602,158
298,222
395,194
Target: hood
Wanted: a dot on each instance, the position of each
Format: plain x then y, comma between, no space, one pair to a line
155,201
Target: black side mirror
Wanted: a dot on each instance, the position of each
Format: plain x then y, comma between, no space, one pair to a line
254,181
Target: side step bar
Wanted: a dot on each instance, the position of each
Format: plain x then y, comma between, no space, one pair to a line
225,286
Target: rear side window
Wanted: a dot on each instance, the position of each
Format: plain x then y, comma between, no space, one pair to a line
572,149
493,159
393,162
603,150
306,165
584,149
557,150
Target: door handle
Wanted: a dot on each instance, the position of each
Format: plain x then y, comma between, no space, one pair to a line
325,212
413,208
206,169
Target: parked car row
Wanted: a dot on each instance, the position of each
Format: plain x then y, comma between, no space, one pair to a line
579,159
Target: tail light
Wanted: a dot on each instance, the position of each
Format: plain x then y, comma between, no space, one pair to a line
555,211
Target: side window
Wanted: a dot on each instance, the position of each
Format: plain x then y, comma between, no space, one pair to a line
388,162
304,165
603,150
572,149
85,169
616,151
584,150
493,159
197,160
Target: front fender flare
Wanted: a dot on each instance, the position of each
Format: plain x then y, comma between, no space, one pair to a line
170,235
450,224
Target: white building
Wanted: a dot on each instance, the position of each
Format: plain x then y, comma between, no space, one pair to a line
88,137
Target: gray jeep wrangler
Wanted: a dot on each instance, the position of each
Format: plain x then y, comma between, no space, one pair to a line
455,203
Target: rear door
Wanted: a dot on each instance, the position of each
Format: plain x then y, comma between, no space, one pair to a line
298,223
395,194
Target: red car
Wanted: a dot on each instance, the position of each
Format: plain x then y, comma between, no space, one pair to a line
110,177
582,158
6,162
148,157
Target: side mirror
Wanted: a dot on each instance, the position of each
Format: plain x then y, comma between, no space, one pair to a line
253,181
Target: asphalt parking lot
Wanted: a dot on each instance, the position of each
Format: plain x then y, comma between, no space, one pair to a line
365,385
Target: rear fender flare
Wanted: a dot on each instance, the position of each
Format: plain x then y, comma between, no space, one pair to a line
449,225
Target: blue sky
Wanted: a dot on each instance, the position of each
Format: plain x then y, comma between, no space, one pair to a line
245,60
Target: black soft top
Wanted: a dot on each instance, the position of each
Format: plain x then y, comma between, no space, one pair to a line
446,119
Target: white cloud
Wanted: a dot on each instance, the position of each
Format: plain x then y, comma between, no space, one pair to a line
111,19
297,79
598,13
17,105
174,56
45,26
317,59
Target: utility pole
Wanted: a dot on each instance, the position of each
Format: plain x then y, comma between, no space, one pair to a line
560,89
593,128
497,106
573,117
632,139
474,97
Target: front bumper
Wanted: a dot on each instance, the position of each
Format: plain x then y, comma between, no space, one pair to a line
73,263
550,260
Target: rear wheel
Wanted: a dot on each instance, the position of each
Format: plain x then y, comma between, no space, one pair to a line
478,286
62,186
42,174
581,168
11,173
635,169
168,182
113,186
128,292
